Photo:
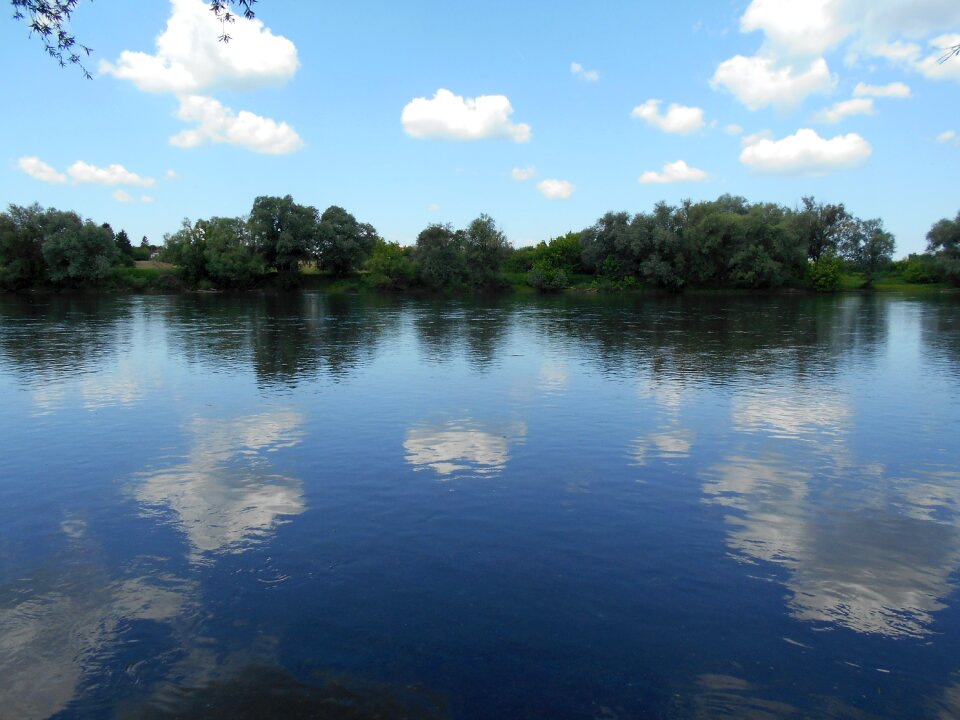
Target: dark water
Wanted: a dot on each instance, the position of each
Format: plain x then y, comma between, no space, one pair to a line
343,507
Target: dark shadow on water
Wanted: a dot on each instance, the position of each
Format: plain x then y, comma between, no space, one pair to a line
263,693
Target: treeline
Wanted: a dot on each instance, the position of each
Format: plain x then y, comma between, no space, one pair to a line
724,243
58,248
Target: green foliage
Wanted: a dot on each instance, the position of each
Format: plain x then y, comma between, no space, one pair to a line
439,254
546,278
342,244
21,258
943,241
228,255
824,275
823,227
389,267
519,260
484,247
285,233
917,269
76,252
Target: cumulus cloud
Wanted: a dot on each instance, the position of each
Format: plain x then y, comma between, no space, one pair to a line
556,189
758,82
577,70
805,28
805,153
680,119
521,174
39,170
190,59
452,117
892,90
673,172
846,108
83,172
216,123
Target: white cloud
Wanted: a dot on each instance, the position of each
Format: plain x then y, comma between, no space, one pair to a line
39,170
807,28
453,117
521,174
189,58
673,172
893,90
556,189
757,82
846,108
123,196
805,152
732,129
217,123
946,136
678,118
82,172
577,70
433,208
171,175
146,198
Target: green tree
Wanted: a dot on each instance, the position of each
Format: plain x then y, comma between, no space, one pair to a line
21,255
439,254
485,248
342,243
943,242
869,248
389,266
229,260
824,227
76,252
285,233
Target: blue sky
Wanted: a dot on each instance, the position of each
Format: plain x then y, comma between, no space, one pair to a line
543,115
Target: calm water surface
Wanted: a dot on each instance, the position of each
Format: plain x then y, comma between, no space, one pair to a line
343,507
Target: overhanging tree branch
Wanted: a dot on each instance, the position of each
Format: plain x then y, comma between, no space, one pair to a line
49,20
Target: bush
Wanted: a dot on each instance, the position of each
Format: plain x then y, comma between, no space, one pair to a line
824,275
547,279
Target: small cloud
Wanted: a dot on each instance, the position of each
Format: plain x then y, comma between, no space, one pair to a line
893,90
733,129
846,108
946,136
556,189
521,174
82,172
433,208
756,137
673,172
217,123
146,198
171,175
680,119
452,117
122,196
805,153
577,70
39,170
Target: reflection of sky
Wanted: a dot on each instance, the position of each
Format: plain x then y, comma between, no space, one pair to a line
791,416
463,446
671,443
873,569
54,637
224,496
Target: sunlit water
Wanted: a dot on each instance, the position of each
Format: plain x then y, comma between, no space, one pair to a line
327,506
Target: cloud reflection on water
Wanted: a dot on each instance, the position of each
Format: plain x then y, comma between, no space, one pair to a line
865,566
457,447
224,495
